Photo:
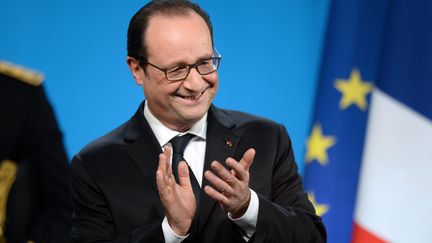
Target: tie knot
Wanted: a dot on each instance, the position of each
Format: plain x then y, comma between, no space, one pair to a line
179,143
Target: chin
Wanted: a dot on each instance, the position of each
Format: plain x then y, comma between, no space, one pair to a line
192,115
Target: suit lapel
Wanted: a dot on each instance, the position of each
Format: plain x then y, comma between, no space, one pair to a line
144,148
221,144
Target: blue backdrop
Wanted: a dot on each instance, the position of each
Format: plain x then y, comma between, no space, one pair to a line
271,57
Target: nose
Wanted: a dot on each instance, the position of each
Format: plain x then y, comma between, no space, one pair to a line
194,80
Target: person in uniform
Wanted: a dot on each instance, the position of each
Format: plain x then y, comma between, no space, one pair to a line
34,197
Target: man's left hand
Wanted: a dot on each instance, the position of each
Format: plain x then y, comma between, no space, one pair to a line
231,187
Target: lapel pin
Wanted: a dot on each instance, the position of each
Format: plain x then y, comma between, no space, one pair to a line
228,143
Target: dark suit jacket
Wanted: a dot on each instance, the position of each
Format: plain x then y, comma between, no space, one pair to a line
115,198
38,206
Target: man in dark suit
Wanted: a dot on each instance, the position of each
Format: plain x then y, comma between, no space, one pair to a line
34,171
182,170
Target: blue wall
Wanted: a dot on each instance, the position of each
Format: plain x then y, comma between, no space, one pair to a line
271,55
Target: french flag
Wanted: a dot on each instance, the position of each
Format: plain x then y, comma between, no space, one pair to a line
394,198
374,113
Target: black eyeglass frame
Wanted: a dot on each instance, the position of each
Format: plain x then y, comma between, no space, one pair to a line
216,56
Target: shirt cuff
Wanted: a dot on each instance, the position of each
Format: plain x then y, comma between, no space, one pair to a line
169,234
247,222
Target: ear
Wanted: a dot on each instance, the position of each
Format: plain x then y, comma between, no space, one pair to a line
136,70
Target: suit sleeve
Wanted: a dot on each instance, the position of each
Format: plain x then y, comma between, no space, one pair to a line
49,167
92,218
287,216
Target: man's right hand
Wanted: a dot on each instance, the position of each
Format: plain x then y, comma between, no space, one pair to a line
177,199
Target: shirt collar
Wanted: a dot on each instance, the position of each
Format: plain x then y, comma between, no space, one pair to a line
164,134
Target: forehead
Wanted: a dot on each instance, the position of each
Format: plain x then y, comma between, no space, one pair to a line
177,36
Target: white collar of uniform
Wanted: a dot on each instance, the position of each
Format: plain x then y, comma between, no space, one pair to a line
164,134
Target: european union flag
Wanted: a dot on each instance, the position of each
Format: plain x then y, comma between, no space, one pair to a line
379,49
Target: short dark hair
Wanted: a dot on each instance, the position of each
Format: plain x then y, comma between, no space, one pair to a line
136,46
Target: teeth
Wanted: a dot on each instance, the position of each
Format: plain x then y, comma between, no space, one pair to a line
192,97
189,97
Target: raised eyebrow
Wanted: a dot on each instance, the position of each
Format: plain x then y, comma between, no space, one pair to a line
206,57
183,63
177,64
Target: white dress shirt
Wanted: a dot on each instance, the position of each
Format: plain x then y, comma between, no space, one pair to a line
194,155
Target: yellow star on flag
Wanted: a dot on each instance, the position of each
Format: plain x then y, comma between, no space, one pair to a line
354,90
320,209
317,145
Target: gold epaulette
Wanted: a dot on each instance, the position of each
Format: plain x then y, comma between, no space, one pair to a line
26,75
8,171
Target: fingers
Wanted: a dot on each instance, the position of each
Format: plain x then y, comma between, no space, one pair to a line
219,184
183,173
164,161
164,172
237,169
231,191
241,169
217,196
230,186
223,174
161,176
247,159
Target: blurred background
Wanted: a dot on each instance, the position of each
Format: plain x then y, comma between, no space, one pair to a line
270,60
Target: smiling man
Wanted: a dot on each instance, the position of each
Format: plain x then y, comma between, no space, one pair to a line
182,170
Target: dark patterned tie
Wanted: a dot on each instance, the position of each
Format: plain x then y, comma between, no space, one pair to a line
178,146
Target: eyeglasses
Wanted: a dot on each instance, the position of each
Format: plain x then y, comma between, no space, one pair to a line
203,67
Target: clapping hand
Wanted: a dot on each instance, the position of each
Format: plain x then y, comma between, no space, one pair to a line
177,199
231,187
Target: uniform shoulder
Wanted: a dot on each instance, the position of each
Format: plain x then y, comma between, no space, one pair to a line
20,73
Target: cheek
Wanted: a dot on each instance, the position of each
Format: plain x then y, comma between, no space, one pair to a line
159,88
215,84
213,80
